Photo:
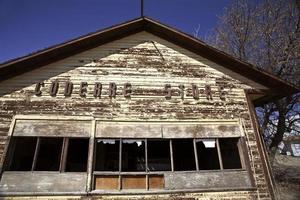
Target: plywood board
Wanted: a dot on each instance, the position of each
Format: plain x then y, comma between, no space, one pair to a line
134,182
156,182
107,182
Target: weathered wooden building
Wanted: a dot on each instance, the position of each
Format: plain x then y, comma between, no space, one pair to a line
135,110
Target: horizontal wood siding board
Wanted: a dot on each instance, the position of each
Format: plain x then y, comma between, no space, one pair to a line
196,180
52,128
125,130
200,131
42,182
174,130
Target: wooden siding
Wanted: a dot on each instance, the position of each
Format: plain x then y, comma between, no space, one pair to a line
43,182
148,63
51,128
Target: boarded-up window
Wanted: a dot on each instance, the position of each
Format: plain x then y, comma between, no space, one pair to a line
156,181
159,158
77,155
134,182
230,153
183,155
107,155
107,182
22,149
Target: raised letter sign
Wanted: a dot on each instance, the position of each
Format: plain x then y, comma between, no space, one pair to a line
168,91
222,93
112,90
68,88
37,90
208,92
195,91
181,91
54,88
83,89
97,90
127,90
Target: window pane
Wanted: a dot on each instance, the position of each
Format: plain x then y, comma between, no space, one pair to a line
49,154
159,155
133,155
207,154
230,153
23,153
107,155
183,154
77,155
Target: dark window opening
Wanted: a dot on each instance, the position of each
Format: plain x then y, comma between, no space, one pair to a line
133,155
49,154
77,155
23,152
183,155
159,155
230,153
107,155
207,154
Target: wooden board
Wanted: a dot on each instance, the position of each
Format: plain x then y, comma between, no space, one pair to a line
200,130
52,128
156,182
134,182
107,182
128,130
207,180
43,182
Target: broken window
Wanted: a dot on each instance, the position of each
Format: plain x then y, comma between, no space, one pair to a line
133,155
207,154
49,154
159,158
77,155
183,155
230,153
107,155
23,152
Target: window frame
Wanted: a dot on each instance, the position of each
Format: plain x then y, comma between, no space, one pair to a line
62,159
243,150
148,172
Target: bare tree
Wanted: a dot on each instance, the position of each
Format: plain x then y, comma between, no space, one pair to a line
267,34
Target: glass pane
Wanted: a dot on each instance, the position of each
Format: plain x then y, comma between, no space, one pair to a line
207,154
23,152
133,155
183,154
230,153
107,155
159,155
49,154
77,155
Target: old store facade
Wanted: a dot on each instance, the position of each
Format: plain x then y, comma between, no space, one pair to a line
135,110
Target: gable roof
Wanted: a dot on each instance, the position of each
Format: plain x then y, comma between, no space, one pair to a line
46,56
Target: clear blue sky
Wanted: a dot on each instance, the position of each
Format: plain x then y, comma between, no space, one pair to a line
30,25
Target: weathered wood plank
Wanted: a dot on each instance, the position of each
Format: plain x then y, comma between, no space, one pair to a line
217,179
43,182
200,130
128,130
52,128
